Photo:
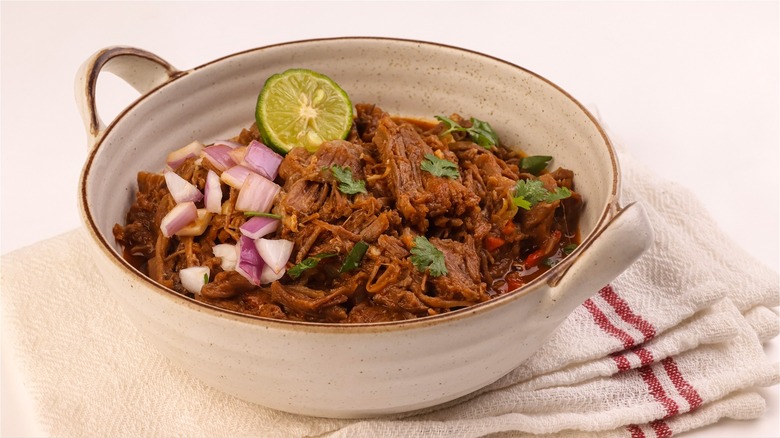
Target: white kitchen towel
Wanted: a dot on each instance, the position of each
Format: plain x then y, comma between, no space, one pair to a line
645,356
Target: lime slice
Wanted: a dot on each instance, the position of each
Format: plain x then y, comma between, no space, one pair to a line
302,108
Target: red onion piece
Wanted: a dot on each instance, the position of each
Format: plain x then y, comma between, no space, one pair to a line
181,189
238,153
257,227
262,160
219,156
235,176
269,276
228,143
177,157
256,194
275,253
212,193
179,217
193,278
250,264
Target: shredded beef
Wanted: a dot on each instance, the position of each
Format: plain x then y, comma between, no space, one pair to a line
471,219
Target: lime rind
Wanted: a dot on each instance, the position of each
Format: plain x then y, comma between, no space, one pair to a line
302,108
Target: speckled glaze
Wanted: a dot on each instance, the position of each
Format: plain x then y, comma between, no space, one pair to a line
366,369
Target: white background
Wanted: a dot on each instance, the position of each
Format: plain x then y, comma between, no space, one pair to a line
691,89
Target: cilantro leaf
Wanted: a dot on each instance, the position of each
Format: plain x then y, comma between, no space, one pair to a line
306,264
480,132
347,184
354,257
426,256
529,193
535,163
439,167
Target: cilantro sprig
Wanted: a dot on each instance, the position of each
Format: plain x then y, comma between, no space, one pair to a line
347,184
529,193
480,132
426,256
535,163
439,166
354,257
306,264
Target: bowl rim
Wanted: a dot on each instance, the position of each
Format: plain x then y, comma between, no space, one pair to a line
550,277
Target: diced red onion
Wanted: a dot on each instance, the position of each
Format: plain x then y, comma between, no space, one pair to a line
181,189
179,217
212,193
262,160
235,176
193,278
177,157
275,253
256,194
250,264
238,153
228,253
257,227
269,276
228,143
198,226
219,156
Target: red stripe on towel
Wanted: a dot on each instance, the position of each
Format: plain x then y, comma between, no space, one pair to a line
685,389
661,429
622,363
657,391
624,311
635,431
603,322
645,356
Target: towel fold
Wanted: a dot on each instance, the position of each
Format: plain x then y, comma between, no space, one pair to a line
673,344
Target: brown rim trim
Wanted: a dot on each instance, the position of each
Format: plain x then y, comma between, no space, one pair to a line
610,209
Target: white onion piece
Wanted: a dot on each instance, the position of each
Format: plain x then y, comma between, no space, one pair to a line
177,157
179,217
212,193
256,194
269,276
194,278
257,227
228,254
181,189
235,176
250,264
219,156
197,227
275,253
262,160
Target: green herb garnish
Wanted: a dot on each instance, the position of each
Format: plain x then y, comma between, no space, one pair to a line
480,132
205,278
347,185
426,256
262,214
535,163
569,248
354,257
529,193
308,263
439,167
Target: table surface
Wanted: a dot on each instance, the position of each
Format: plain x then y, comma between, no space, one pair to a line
691,89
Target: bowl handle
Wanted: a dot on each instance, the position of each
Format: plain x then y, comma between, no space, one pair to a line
619,244
143,70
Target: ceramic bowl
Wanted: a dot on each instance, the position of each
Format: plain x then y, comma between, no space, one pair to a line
355,370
